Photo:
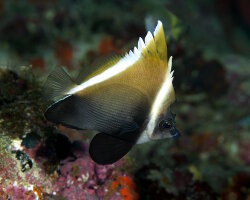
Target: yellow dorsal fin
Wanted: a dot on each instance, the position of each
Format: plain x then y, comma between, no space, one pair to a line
151,51
150,44
154,45
160,42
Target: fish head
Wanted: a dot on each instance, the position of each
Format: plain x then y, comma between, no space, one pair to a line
161,123
165,127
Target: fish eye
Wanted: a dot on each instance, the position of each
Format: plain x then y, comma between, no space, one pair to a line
164,124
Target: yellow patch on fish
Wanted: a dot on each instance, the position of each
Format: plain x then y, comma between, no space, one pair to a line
127,100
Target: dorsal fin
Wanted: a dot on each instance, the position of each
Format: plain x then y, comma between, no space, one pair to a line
160,42
150,44
153,47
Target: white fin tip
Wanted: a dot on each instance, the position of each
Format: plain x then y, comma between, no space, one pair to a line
157,28
136,52
131,53
141,44
148,38
170,64
172,73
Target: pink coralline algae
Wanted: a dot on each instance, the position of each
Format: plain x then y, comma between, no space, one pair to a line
83,179
76,177
17,193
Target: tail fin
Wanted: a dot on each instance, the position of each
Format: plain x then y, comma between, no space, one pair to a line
58,84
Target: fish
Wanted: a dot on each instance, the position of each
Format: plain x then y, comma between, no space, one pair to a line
127,101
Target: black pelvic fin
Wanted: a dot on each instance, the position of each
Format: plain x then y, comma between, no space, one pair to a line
106,149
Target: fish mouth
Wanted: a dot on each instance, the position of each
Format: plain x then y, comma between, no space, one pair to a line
175,133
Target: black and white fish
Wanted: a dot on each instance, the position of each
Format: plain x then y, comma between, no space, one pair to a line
127,101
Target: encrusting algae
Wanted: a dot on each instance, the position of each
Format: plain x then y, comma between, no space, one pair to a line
32,163
126,186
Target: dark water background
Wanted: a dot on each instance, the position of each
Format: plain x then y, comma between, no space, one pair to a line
210,44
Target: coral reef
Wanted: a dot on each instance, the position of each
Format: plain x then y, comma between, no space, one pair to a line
38,162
